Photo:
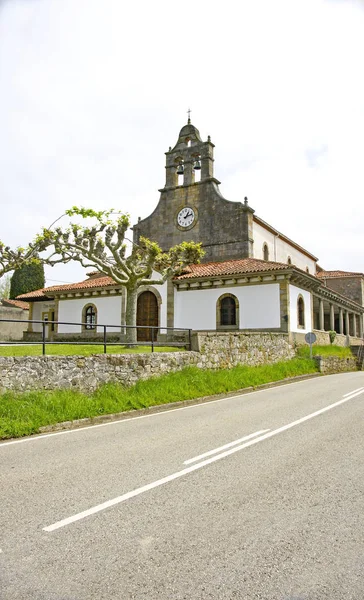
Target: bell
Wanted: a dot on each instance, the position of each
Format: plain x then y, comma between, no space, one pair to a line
180,169
197,165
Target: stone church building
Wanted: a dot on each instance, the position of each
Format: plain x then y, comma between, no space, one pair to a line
252,278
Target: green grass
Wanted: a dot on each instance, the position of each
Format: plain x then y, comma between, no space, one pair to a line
23,414
84,350
343,352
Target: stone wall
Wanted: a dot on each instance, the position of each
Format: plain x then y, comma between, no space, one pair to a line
351,287
228,349
323,339
335,364
12,331
86,373
216,350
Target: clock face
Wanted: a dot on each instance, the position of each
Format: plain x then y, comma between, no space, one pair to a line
186,217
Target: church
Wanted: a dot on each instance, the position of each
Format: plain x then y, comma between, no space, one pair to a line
252,277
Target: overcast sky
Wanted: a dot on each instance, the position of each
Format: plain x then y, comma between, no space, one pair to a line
93,92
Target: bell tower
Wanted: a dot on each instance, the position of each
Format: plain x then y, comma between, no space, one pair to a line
189,156
192,208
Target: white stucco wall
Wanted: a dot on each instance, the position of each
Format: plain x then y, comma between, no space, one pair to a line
279,250
259,307
294,292
108,312
38,309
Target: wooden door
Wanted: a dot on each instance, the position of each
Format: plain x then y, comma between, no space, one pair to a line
147,314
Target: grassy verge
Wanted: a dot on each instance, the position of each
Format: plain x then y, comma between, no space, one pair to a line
84,350
24,414
343,352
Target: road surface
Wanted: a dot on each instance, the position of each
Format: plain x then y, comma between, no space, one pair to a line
258,496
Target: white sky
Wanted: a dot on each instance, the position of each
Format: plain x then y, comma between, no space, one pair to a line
93,92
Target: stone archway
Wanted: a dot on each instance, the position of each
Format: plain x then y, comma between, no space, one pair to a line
147,316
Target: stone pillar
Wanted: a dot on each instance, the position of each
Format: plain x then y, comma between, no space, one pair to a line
332,317
170,303
341,321
246,230
207,160
361,333
347,323
30,317
284,302
188,174
321,315
354,324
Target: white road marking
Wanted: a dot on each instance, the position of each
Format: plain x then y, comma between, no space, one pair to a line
216,450
200,465
36,438
353,392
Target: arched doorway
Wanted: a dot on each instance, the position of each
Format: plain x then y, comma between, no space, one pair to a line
147,315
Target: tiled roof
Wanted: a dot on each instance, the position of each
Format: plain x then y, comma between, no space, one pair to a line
32,295
16,303
231,267
103,281
332,274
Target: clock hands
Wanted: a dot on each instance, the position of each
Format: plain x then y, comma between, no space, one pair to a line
188,215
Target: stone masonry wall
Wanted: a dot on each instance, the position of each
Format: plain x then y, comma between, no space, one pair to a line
335,364
87,373
225,350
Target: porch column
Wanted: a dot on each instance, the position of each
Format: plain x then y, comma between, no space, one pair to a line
354,324
347,323
332,317
321,315
361,326
341,321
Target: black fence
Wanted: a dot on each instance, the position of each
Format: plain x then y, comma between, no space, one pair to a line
98,334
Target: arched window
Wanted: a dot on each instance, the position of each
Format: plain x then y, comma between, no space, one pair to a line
265,252
300,312
227,311
307,270
289,261
89,317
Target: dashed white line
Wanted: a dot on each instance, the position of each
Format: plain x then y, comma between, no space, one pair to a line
353,392
229,445
200,465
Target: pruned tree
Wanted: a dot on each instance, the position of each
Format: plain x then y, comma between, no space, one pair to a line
102,246
13,259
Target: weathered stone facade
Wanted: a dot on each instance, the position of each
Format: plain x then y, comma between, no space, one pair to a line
224,228
87,373
351,287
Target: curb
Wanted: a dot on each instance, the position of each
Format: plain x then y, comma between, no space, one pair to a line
130,414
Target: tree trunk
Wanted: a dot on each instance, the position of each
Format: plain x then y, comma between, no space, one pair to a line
130,317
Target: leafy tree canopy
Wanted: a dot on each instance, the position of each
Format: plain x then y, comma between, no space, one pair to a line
102,246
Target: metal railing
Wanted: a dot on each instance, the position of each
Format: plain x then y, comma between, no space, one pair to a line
88,329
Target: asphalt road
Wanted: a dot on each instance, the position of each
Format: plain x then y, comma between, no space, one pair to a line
143,509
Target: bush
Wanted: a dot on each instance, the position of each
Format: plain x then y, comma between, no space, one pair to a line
332,336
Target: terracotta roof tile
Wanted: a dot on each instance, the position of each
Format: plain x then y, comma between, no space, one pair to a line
16,303
103,281
332,274
231,267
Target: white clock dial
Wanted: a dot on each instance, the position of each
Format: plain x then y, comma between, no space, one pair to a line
186,216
